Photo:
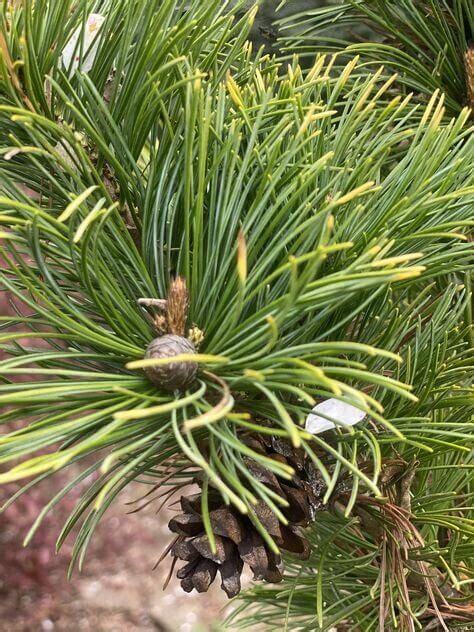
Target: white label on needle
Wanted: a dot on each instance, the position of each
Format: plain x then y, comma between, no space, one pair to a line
72,50
319,419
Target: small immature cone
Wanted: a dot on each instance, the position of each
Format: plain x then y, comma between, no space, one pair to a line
469,66
175,375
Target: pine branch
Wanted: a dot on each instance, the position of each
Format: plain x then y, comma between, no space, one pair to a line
411,551
321,228
424,42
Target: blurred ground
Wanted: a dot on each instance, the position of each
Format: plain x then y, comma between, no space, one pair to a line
117,591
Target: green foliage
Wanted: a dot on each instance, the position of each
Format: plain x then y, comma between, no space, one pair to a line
424,41
322,229
385,566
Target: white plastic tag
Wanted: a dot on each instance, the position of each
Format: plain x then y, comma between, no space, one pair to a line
72,50
319,419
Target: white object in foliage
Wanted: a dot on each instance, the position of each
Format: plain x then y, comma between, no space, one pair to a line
343,414
72,50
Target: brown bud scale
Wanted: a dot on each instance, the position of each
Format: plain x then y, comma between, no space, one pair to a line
469,67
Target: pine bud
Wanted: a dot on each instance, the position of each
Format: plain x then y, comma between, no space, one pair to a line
177,307
469,66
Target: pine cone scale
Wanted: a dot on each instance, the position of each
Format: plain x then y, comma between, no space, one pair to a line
252,551
268,519
230,572
294,543
187,569
185,551
203,575
299,511
225,524
224,548
186,524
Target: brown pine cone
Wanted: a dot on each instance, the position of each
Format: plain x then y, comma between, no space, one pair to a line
237,539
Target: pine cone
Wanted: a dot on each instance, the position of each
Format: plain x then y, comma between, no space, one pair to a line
176,375
237,539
